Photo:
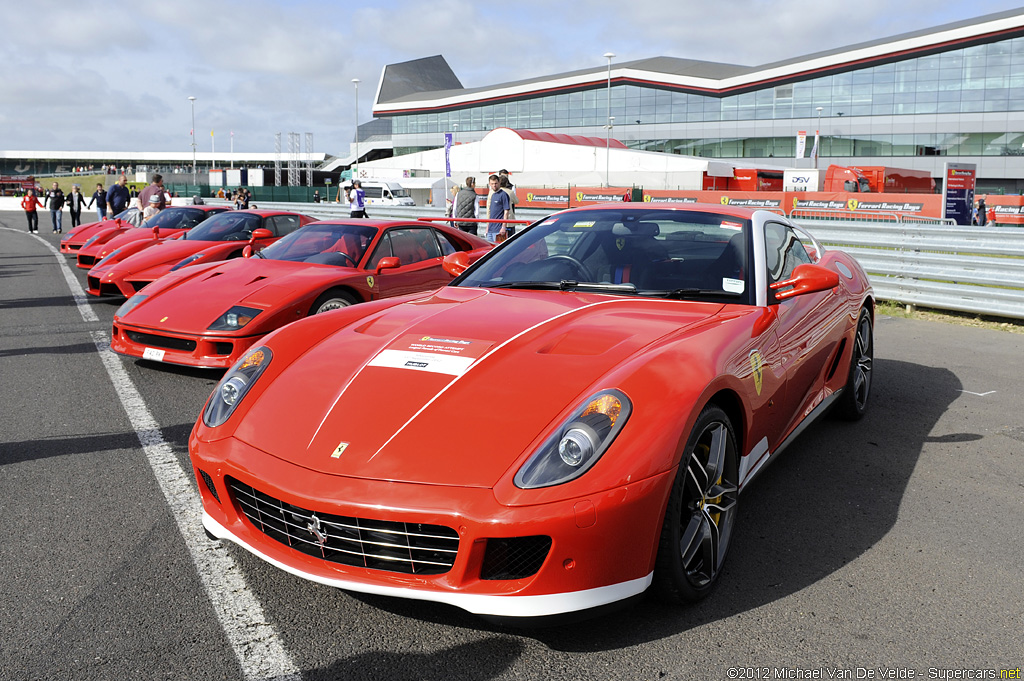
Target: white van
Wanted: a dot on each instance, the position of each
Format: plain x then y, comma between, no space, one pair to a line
382,193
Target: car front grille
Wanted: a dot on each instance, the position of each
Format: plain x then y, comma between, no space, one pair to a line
167,342
138,285
410,548
86,259
514,557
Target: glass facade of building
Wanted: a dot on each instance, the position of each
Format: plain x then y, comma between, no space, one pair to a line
980,79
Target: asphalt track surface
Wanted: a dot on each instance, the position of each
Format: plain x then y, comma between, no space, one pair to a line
892,545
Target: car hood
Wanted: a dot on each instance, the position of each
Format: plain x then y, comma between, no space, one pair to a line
191,303
135,234
453,388
165,251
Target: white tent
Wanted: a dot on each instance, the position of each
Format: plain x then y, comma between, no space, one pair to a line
549,160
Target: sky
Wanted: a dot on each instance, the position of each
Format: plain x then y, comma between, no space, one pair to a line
89,76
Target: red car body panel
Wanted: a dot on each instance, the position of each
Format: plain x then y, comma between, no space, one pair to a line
142,261
115,237
422,410
180,306
73,240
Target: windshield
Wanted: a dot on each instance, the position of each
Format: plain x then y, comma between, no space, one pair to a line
679,253
176,218
326,243
230,226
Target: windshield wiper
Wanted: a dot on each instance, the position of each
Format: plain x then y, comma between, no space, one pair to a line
567,285
692,293
540,285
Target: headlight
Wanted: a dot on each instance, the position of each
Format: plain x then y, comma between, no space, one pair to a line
235,384
235,318
107,258
187,261
91,241
130,304
578,444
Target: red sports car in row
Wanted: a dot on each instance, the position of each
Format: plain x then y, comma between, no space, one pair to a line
209,315
224,236
569,422
73,240
168,222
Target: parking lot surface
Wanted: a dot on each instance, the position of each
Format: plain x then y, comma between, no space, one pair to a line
888,545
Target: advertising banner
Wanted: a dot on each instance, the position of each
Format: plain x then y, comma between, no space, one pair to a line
958,192
801,143
767,200
1009,210
570,197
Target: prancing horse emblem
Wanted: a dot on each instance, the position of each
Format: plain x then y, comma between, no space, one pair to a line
317,530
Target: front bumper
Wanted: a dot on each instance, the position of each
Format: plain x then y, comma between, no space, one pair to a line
194,350
602,546
113,284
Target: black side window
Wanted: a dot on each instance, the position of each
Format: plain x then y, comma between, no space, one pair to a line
783,251
285,224
383,250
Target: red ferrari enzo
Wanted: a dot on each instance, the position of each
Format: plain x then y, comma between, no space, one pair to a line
569,422
168,222
127,269
73,240
209,315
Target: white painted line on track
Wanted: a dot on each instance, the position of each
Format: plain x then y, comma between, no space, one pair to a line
256,644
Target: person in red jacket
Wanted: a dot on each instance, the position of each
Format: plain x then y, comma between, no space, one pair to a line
992,215
30,202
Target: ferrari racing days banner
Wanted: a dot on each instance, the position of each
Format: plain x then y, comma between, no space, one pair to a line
569,197
783,202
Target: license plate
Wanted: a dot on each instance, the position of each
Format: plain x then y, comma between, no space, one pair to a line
154,354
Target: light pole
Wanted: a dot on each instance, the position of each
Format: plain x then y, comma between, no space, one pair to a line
608,134
355,165
817,139
195,179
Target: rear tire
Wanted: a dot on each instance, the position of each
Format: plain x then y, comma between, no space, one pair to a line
332,300
701,511
853,403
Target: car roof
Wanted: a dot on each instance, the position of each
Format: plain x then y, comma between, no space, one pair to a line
720,209
266,213
373,222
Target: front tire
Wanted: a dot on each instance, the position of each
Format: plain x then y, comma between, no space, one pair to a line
853,403
332,300
701,511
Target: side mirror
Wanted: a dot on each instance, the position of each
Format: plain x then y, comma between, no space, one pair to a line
806,279
388,263
455,263
247,251
260,233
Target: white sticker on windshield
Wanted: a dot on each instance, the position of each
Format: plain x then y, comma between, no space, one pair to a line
732,285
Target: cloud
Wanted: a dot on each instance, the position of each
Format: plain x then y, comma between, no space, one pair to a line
101,77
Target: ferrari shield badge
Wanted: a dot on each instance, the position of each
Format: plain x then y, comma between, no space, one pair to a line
369,281
340,449
757,369
620,243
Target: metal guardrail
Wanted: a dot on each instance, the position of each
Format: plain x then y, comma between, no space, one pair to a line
843,215
967,269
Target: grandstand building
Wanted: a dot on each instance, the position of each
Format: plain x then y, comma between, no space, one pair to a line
954,93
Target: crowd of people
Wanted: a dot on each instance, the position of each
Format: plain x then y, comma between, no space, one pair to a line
111,201
498,208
